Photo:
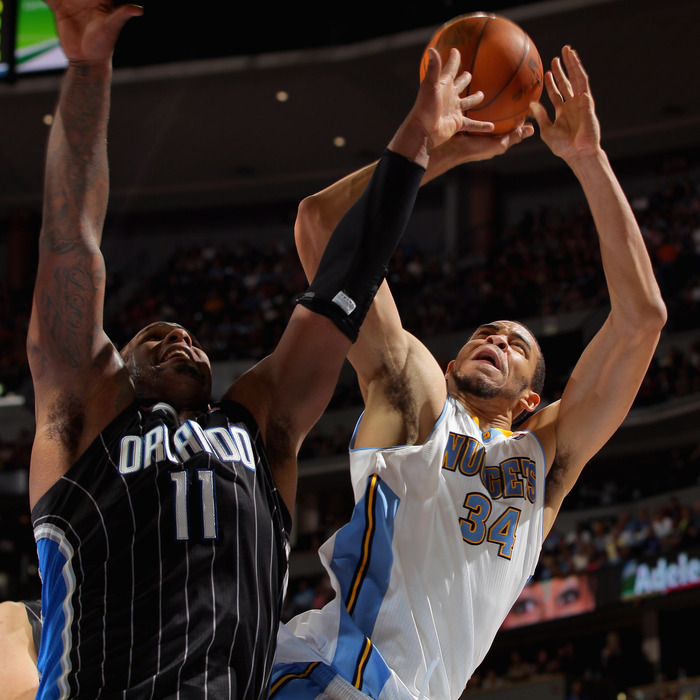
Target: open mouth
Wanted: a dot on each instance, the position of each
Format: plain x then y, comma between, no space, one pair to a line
489,356
176,354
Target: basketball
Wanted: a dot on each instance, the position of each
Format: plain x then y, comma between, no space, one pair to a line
503,61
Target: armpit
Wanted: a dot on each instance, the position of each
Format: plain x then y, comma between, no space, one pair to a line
395,389
66,423
557,483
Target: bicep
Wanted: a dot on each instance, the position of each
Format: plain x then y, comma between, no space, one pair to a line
19,674
76,370
382,340
289,389
602,389
402,384
596,400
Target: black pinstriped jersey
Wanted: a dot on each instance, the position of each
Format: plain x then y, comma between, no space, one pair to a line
163,557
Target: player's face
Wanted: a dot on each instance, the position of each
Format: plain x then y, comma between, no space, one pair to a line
166,363
498,361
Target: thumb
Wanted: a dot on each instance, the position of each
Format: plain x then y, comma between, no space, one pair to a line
121,15
540,115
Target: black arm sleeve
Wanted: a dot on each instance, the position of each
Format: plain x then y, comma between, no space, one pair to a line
355,260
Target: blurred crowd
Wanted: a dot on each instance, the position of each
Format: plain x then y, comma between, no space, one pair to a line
627,533
609,668
590,544
237,298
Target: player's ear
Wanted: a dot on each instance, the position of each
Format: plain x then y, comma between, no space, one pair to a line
529,400
450,364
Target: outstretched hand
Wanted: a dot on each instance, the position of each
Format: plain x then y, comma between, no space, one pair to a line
439,104
470,147
88,29
438,112
575,130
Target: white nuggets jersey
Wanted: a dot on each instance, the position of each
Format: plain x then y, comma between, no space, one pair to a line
442,540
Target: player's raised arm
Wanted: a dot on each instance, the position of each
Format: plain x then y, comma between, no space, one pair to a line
300,375
383,348
67,348
606,378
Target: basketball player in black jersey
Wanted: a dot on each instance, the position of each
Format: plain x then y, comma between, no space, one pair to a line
162,520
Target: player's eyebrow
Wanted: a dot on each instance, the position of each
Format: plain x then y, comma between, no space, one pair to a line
151,326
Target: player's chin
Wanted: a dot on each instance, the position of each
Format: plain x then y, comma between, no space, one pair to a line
490,372
187,390
187,369
189,376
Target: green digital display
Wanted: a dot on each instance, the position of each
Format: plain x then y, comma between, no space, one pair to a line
36,43
4,39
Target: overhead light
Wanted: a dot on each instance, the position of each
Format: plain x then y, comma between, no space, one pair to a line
339,141
282,96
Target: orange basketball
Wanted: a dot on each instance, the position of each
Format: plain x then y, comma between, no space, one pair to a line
504,63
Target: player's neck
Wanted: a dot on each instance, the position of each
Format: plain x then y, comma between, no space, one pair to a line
485,412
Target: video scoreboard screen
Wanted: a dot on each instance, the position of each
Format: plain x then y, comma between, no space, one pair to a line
5,37
36,42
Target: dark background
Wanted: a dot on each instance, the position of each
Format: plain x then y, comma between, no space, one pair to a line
195,122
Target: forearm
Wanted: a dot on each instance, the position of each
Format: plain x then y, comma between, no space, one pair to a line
354,262
76,187
634,293
319,214
69,292
607,376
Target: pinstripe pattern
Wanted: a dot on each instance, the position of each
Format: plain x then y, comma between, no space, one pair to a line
163,557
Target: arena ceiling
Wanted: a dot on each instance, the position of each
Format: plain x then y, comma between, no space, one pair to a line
193,125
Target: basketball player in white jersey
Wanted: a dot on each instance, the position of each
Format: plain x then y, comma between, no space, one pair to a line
20,635
162,520
451,506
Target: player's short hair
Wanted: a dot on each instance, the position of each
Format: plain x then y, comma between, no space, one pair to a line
538,376
537,381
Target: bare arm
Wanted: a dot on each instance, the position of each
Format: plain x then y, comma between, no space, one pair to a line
67,348
402,384
608,375
288,391
385,356
19,678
